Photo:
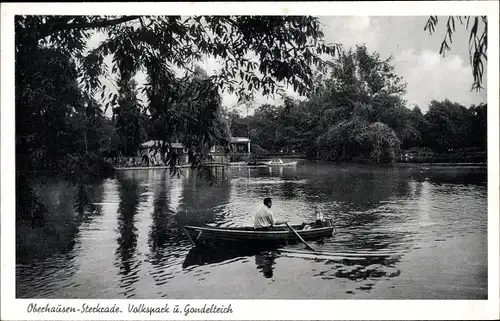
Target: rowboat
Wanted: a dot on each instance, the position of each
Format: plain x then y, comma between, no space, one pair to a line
247,165
280,163
279,235
274,162
237,164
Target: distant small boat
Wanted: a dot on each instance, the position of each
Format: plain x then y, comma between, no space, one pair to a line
246,165
274,162
237,164
280,234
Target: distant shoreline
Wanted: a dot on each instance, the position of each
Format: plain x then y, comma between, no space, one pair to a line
398,164
403,164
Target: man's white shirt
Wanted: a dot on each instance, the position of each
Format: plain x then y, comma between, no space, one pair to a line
263,217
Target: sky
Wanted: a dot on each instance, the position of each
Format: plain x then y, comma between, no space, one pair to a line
429,75
416,55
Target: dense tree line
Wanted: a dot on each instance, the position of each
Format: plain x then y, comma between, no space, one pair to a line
358,113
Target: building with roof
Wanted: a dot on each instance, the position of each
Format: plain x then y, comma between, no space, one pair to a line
239,151
150,155
416,154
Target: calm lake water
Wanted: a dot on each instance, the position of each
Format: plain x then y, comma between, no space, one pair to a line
413,232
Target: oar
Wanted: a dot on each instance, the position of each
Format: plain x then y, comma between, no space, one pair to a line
300,237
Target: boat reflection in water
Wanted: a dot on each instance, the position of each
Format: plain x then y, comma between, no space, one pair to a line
361,266
201,255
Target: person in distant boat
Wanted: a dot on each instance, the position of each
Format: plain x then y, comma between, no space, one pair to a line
264,219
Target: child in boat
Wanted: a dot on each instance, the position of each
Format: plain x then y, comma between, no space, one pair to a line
320,219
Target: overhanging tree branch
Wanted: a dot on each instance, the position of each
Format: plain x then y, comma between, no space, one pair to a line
98,24
88,25
477,45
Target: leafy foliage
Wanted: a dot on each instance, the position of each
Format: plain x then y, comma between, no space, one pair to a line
55,121
478,129
362,92
129,120
478,42
358,114
452,126
60,123
284,47
259,53
360,141
238,126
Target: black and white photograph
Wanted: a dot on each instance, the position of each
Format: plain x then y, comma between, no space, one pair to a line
168,163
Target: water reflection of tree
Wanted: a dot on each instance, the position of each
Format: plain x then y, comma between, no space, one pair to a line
360,188
202,201
163,217
94,193
289,191
450,175
48,250
58,232
165,241
128,264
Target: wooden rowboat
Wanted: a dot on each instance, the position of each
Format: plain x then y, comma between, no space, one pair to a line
289,164
280,234
275,162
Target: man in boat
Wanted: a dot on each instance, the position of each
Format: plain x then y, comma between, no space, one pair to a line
264,219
